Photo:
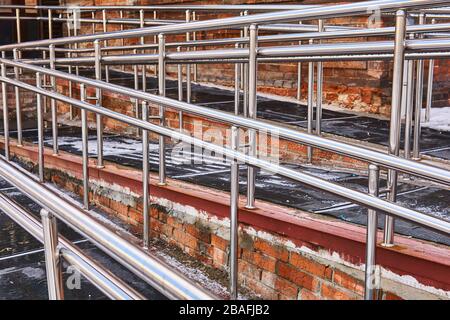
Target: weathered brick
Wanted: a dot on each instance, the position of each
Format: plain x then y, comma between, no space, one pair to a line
296,276
346,281
269,249
329,291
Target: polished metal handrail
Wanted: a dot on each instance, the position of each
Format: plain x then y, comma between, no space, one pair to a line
248,55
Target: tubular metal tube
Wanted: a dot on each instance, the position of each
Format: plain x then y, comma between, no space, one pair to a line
194,38
299,75
237,81
144,71
170,283
104,280
54,110
389,161
234,217
5,110
50,24
245,69
188,66
419,102
18,29
395,123
430,85
252,110
162,93
18,102
409,108
390,208
85,148
40,129
99,97
335,11
180,91
105,43
145,177
319,89
52,256
310,107
371,278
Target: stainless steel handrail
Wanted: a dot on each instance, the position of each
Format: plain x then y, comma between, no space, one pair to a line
359,8
403,165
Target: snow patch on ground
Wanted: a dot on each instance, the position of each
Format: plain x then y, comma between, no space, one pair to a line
439,119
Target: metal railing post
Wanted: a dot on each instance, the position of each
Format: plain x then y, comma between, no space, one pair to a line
50,23
99,119
52,256
371,277
319,88
105,43
395,123
419,101
245,74
145,178
53,108
180,91
162,92
16,56
299,75
409,108
237,89
85,148
234,216
430,85
252,109
122,40
18,28
40,127
5,110
194,38
309,149
188,66
144,68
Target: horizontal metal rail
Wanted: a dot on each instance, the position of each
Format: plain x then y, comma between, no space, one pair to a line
63,210
104,280
407,166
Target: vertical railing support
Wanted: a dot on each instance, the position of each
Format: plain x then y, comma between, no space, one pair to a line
105,43
18,28
53,108
188,66
252,109
234,216
16,56
40,127
52,256
371,276
85,148
237,89
50,23
145,177
180,91
409,108
395,123
319,89
419,101
194,38
162,92
144,68
5,109
99,118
